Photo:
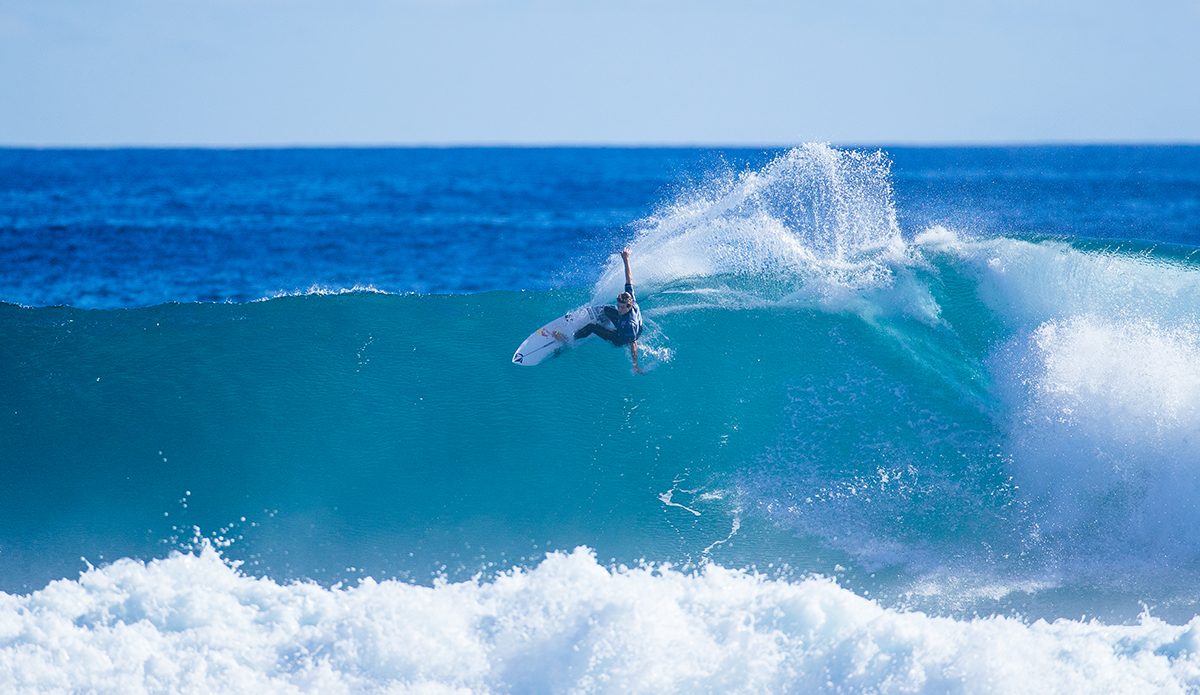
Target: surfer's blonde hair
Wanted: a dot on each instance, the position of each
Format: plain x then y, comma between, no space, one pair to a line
625,297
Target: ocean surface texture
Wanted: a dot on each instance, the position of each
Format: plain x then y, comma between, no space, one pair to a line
912,421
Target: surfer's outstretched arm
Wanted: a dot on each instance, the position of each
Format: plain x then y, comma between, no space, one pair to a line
630,304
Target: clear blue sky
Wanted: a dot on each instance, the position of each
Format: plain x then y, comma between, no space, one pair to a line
269,72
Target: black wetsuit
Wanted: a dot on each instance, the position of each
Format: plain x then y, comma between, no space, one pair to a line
628,326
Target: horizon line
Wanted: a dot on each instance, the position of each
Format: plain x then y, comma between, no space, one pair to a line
714,145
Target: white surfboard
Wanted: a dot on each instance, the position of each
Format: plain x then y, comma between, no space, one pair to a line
542,344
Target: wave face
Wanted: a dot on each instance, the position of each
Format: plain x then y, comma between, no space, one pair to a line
850,441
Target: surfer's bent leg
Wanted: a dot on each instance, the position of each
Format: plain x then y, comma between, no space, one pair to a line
603,331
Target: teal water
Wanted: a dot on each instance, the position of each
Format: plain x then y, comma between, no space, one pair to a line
388,435
355,429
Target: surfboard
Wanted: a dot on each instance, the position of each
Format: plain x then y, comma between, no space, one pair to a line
542,344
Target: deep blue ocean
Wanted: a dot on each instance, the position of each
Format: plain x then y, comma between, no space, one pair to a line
912,420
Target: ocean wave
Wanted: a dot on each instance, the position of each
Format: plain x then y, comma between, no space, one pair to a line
974,419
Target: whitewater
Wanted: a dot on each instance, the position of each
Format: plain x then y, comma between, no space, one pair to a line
192,623
877,449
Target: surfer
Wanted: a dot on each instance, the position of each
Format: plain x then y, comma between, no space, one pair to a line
626,319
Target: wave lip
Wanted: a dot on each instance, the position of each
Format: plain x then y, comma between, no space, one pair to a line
194,623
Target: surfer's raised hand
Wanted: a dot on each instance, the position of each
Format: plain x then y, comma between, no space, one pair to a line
625,258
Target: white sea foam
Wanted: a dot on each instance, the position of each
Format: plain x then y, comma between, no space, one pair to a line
193,624
324,291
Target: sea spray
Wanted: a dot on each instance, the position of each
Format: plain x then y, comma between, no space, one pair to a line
816,219
1104,427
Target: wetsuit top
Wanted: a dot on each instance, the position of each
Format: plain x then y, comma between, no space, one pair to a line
629,324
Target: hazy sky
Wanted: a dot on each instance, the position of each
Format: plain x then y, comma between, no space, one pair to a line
248,72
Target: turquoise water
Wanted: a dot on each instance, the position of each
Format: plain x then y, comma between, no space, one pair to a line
849,443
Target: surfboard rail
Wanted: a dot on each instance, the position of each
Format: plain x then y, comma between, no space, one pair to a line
548,341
